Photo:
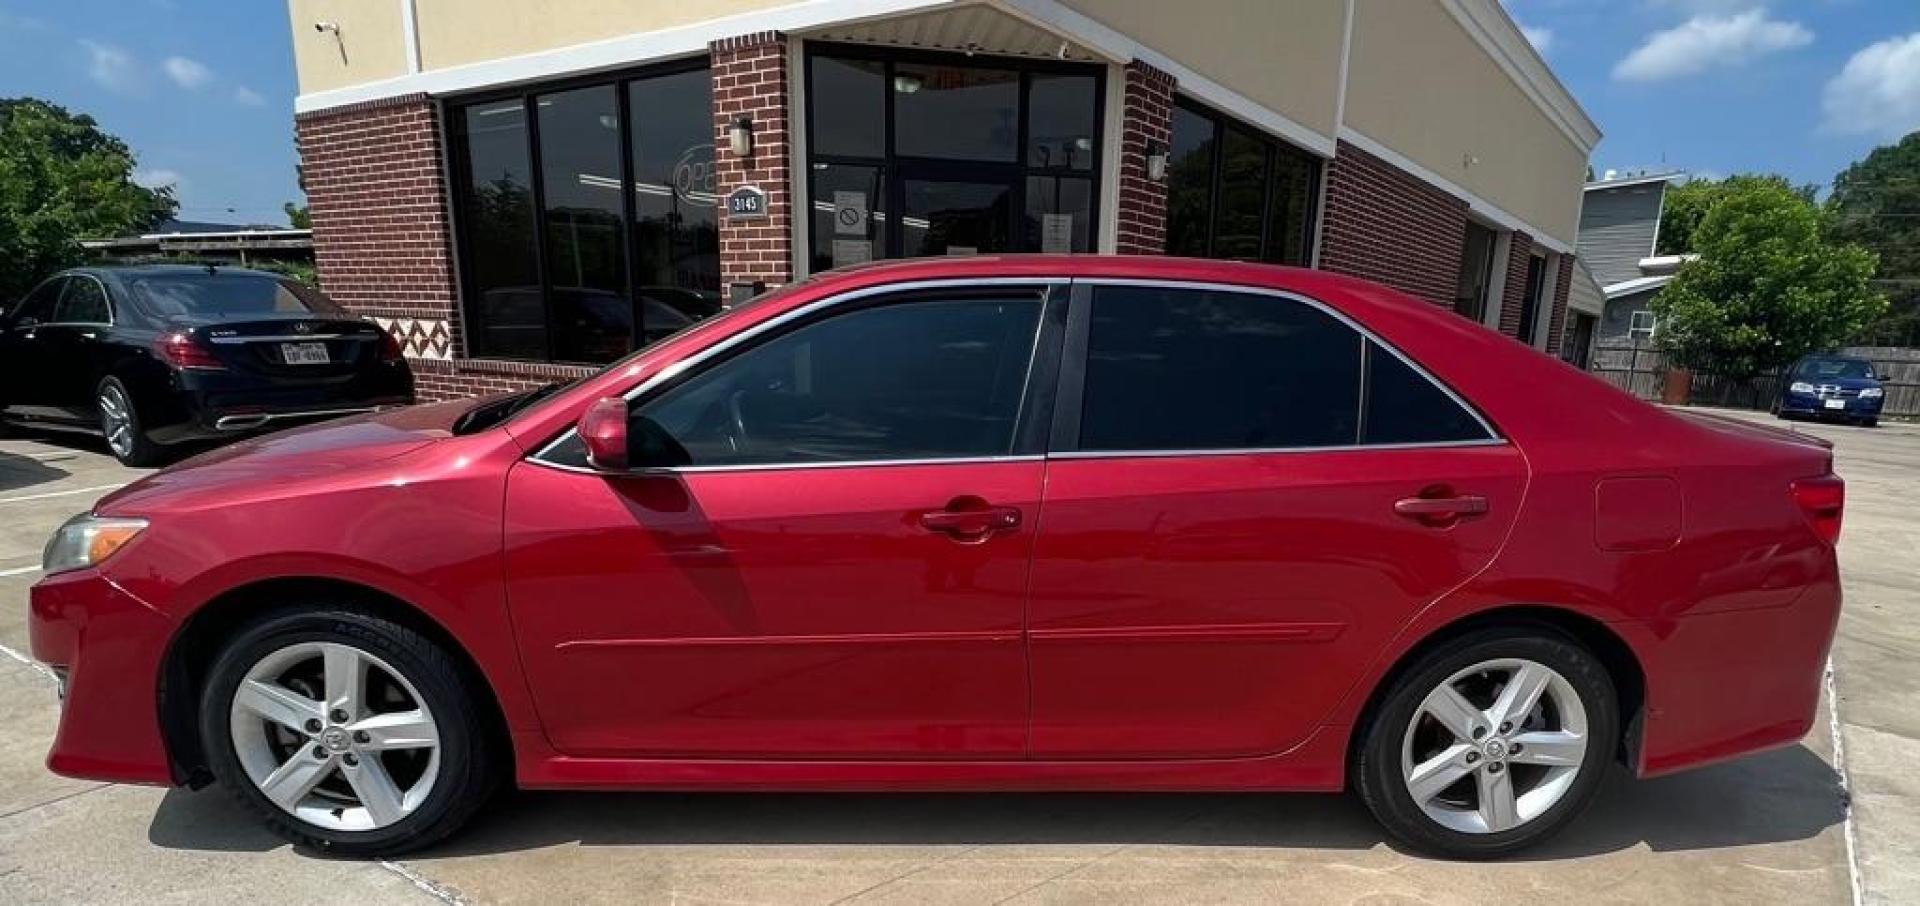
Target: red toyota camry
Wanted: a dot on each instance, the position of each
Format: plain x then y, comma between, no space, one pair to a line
994,524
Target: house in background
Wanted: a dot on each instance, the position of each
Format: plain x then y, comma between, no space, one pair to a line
1619,236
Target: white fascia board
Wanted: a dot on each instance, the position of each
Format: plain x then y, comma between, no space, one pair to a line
613,53
1104,40
1485,209
1636,285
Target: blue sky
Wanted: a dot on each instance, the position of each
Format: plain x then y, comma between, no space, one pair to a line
203,89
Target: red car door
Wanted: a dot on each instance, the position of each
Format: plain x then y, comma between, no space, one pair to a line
1250,500
829,559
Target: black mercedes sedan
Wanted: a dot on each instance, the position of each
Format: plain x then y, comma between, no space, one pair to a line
151,356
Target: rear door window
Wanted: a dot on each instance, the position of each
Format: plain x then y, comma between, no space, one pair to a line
84,302
1194,369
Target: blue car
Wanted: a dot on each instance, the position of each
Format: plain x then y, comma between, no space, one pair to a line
1831,386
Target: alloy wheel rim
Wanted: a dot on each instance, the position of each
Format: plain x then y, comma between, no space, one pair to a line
1495,746
115,421
335,736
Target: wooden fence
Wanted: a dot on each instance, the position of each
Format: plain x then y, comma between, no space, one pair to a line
1638,368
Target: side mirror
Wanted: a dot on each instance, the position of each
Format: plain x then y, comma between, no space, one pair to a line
603,428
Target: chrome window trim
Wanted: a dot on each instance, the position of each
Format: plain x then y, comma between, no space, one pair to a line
789,466
1262,451
1493,436
669,373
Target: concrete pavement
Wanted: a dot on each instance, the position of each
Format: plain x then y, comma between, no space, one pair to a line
1769,829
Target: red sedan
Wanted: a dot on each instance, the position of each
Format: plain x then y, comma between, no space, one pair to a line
993,524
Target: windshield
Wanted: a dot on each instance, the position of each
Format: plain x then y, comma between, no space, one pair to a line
224,294
1834,368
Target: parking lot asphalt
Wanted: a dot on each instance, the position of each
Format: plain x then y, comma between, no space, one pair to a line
1773,828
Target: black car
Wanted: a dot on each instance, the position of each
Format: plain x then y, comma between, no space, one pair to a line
154,355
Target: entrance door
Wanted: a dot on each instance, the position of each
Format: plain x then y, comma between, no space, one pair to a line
954,210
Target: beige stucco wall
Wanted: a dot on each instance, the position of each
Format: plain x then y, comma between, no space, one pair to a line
453,32
1419,84
1282,55
370,31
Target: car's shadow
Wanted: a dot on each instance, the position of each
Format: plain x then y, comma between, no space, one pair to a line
1781,796
19,471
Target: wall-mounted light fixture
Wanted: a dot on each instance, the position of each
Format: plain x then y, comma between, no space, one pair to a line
1156,161
740,137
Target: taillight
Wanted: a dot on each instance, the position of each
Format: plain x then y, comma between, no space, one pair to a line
181,350
390,350
1822,500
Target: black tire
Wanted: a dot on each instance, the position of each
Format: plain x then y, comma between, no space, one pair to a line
469,769
138,451
1870,423
1376,765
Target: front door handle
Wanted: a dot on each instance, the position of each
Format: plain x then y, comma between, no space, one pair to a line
1441,511
971,519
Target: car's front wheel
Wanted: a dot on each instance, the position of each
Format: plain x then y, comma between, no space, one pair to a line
346,732
1489,743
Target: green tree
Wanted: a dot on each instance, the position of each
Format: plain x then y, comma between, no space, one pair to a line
1769,285
297,216
1876,204
1687,205
62,179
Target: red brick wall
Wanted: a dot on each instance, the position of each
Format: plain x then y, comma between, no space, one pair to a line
441,379
375,190
1562,287
1386,225
1516,289
1147,118
750,79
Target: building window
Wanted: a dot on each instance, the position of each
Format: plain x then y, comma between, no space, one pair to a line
1234,193
1476,273
587,216
1530,303
974,156
1640,325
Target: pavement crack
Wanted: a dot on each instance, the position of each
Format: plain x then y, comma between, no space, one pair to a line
429,886
55,800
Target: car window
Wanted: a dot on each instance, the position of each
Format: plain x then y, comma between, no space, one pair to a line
1195,369
1835,368
926,379
38,305
222,294
84,302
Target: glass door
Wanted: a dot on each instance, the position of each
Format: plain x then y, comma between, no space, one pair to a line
953,210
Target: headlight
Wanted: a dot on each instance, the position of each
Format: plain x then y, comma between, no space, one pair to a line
1800,387
1871,393
87,540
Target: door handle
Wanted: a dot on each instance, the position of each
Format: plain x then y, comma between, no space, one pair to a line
1441,511
971,519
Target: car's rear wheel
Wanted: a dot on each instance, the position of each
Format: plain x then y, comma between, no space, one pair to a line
120,424
346,732
1489,743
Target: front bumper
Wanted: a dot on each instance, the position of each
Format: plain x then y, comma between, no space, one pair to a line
108,645
1815,407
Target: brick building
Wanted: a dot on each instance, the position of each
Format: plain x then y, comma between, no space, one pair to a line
525,190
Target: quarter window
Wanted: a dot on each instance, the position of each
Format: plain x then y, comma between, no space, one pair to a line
1190,369
926,379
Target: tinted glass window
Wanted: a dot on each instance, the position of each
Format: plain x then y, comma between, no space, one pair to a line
849,219
1294,177
38,305
84,302
1530,303
1834,368
855,121
508,312
1060,121
1234,192
1189,183
676,236
1060,213
229,295
580,170
956,112
918,380
1181,369
1403,407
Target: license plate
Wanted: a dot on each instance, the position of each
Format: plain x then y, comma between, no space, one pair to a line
304,353
1836,404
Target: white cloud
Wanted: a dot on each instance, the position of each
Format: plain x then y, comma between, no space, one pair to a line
1703,6
186,73
1878,92
1541,38
110,67
248,97
1707,41
155,177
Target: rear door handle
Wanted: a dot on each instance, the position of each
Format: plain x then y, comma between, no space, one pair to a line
971,519
1441,511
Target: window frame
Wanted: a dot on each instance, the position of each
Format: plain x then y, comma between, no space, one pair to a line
1069,398
1635,332
894,168
1272,147
57,284
460,186
1035,414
